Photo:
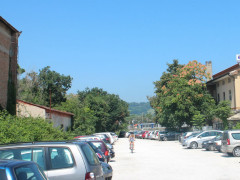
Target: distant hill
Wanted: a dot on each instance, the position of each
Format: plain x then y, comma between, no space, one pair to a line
140,108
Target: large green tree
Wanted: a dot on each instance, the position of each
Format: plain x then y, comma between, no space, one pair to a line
109,110
39,87
181,94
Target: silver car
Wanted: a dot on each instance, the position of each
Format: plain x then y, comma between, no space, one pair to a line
194,142
59,160
231,142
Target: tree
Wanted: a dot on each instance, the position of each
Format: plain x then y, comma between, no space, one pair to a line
109,110
54,83
84,119
37,88
198,120
28,129
222,111
181,93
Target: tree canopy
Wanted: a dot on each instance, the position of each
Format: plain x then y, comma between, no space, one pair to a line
38,87
181,96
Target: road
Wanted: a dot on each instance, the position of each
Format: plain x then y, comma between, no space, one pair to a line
169,160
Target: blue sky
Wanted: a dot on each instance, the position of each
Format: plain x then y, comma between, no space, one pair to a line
123,46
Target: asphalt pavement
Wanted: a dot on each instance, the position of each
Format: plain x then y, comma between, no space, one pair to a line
168,160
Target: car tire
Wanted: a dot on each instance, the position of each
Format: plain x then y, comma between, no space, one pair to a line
236,152
193,145
165,139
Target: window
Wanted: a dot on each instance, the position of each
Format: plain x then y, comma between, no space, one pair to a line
27,154
61,158
230,95
3,175
236,136
206,134
218,97
90,154
229,80
223,82
224,97
217,84
28,172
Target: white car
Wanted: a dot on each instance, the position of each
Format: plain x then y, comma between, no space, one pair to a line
194,142
109,135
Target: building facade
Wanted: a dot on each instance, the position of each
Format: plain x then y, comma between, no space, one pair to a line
8,65
225,85
60,119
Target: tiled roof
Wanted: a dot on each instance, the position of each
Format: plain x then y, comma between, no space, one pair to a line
226,71
9,25
46,108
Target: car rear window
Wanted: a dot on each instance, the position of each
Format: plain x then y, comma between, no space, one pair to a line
28,172
3,175
236,136
90,155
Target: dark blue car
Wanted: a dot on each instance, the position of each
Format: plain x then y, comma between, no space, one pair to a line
20,170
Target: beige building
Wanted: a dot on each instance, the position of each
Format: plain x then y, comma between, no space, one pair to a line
59,119
225,85
8,65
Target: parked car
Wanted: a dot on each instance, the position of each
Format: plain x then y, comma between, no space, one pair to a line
231,142
186,135
155,135
98,152
218,145
104,137
88,137
151,134
144,134
161,133
20,170
107,171
103,147
115,136
209,144
59,160
194,142
111,138
170,136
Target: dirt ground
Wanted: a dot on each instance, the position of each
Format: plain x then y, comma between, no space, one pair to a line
169,160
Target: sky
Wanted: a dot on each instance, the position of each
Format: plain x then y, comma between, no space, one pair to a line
123,46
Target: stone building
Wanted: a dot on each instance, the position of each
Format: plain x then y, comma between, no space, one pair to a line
60,119
8,65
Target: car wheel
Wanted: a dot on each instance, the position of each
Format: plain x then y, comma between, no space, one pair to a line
193,145
165,139
236,151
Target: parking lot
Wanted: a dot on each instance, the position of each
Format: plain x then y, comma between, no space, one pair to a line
154,159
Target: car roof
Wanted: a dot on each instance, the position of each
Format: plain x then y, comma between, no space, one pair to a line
42,143
13,163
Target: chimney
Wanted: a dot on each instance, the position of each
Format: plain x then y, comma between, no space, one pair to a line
209,69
